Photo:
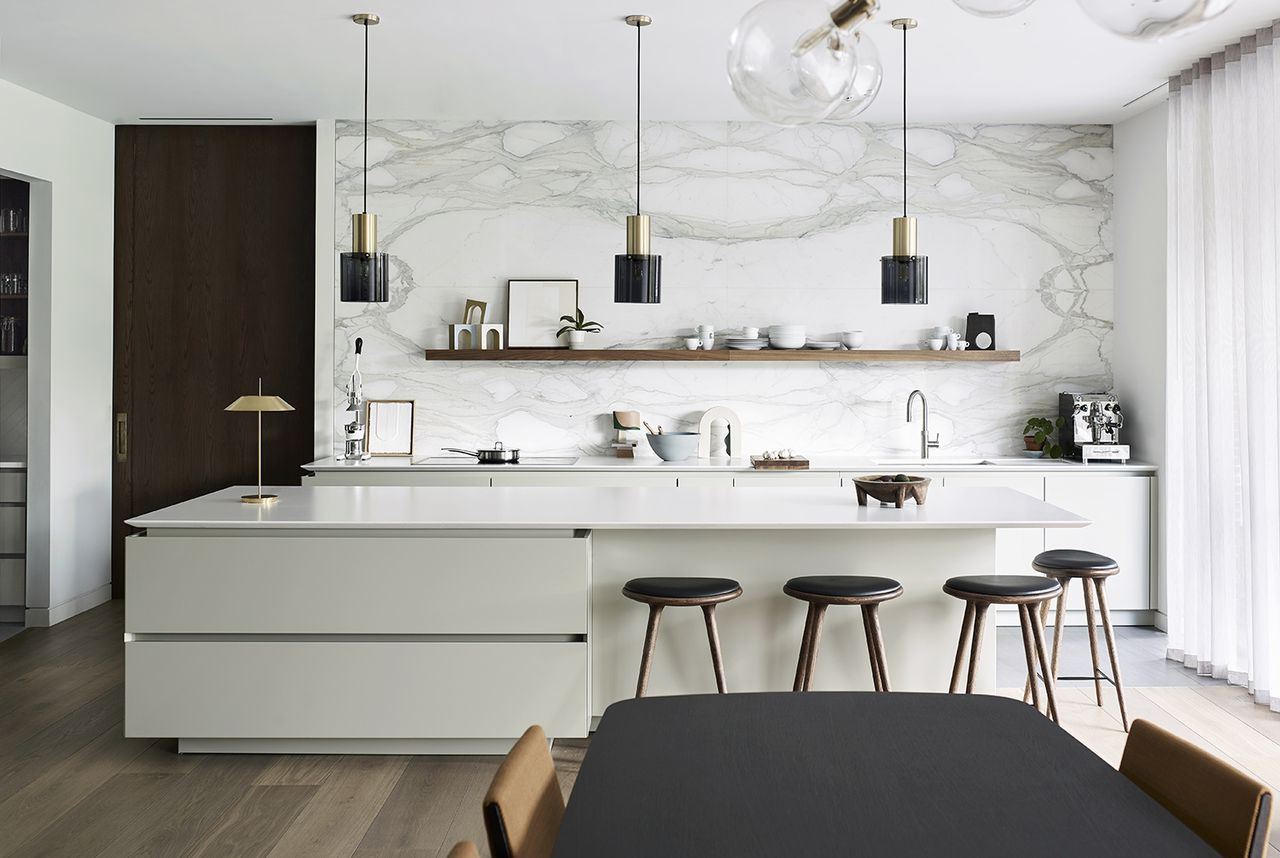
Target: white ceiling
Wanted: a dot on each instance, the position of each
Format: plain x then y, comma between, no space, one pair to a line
298,60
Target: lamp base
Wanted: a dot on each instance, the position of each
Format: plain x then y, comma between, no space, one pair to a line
263,499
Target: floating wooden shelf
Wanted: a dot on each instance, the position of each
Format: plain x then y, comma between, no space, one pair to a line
723,355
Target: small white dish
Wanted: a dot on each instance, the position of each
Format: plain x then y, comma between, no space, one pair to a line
936,344
822,345
751,333
853,339
692,344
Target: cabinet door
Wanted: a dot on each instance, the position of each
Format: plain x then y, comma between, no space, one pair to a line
789,479
1015,546
711,481
601,479
356,476
1120,509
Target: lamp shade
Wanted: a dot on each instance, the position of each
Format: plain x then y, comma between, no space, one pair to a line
258,402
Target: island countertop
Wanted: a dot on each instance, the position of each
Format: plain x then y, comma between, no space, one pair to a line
538,508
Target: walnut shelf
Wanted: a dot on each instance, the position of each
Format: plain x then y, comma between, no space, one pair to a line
725,355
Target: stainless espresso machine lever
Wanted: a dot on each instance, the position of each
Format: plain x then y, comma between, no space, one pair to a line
353,446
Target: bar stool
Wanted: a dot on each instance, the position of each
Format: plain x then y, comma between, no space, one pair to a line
659,593
1062,565
820,591
1028,592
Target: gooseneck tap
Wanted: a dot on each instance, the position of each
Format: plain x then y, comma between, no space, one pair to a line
925,443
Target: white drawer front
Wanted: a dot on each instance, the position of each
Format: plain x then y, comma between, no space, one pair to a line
13,581
13,529
13,486
586,478
358,690
789,479
358,585
374,477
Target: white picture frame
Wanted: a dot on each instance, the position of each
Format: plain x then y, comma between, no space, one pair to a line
389,427
534,308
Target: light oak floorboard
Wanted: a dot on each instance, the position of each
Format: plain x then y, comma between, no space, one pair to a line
337,817
256,822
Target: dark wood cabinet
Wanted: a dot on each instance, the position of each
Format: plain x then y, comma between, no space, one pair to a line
214,287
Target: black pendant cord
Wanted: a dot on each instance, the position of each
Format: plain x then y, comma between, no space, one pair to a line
365,148
904,121
638,119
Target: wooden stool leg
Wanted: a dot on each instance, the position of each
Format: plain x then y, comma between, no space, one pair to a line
814,635
803,662
1093,639
1111,647
979,621
871,647
709,613
1042,655
646,657
880,665
1024,617
966,629
1059,622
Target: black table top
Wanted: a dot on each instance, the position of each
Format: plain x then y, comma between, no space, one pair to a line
852,773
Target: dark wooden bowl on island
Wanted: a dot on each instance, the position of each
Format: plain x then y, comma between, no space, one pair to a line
888,488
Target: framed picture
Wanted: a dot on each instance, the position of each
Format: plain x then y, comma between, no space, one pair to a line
389,427
534,308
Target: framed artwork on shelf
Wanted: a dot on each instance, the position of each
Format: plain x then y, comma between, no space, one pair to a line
534,308
389,427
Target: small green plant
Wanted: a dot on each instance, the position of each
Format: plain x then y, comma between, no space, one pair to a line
1040,433
579,323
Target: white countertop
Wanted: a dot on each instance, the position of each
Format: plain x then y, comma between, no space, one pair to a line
646,463
421,507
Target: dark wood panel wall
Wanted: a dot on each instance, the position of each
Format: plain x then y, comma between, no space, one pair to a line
214,287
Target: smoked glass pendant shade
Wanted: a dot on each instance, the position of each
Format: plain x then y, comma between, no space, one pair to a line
904,280
364,277
637,278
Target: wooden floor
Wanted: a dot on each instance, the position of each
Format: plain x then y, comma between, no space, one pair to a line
72,785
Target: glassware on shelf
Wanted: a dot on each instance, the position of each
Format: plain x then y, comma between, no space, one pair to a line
8,335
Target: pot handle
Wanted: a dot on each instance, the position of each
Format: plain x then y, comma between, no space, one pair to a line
471,453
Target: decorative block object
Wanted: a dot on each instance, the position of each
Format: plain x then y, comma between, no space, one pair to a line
464,337
490,337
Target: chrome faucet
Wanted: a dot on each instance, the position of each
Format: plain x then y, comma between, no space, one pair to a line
925,444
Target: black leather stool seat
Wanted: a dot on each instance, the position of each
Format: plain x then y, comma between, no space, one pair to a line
1004,586
1073,561
843,587
682,588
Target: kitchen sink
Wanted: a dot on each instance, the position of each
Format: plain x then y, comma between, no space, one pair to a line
933,460
944,460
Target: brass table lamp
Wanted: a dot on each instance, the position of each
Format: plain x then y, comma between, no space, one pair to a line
259,403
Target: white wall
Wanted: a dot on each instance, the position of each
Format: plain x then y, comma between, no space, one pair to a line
1140,247
70,159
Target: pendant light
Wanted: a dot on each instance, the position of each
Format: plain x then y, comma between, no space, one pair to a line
637,274
364,269
904,277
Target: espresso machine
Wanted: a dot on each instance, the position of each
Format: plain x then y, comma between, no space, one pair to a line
353,429
1091,431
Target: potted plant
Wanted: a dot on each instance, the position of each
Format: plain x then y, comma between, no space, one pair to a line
577,329
1039,436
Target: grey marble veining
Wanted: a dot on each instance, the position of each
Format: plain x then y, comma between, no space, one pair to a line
756,225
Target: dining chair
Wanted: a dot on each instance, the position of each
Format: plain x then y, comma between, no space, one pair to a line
464,849
1228,809
524,805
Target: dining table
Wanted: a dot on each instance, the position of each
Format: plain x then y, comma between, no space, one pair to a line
853,773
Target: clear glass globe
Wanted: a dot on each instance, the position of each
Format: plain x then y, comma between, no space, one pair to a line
995,8
867,78
1149,20
789,64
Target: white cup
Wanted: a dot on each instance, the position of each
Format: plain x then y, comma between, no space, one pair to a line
692,344
937,343
751,333
953,341
941,332
708,340
853,339
706,329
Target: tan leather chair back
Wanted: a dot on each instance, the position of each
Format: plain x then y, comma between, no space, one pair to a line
464,849
1228,809
524,805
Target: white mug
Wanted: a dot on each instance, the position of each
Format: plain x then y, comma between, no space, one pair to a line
692,344
751,333
953,341
706,329
708,340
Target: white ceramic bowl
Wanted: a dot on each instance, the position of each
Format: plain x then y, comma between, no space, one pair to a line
937,344
674,446
853,339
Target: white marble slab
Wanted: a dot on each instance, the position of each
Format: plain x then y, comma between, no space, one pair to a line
650,464
413,508
756,225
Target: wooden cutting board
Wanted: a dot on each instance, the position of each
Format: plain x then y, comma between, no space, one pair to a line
799,463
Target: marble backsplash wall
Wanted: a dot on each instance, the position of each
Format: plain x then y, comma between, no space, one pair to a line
756,225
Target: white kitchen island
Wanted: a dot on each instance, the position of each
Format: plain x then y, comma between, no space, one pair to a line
436,620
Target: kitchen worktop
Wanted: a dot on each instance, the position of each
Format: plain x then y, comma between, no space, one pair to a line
652,464
537,508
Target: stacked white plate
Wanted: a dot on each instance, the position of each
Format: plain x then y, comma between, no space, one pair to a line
823,345
749,343
787,336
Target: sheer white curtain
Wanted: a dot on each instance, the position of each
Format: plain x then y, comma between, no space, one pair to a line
1222,481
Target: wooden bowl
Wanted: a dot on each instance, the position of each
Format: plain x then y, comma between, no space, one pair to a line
891,492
